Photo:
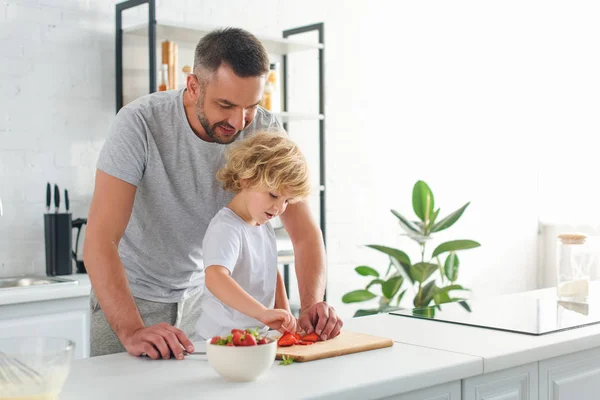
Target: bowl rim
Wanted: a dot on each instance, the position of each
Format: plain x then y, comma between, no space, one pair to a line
208,343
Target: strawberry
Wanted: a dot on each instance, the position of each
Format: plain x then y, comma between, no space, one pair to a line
304,343
229,344
237,338
215,340
287,340
233,331
248,340
263,341
311,337
297,336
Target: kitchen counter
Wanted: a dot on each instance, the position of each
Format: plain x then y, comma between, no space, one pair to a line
47,292
426,355
498,349
372,374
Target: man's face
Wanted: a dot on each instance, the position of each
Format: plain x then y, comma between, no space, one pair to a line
227,104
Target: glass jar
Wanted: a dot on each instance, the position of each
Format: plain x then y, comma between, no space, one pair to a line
573,272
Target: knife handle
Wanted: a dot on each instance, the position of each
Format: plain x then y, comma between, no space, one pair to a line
67,200
48,196
56,197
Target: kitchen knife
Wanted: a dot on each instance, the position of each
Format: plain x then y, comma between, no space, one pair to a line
56,198
48,197
67,200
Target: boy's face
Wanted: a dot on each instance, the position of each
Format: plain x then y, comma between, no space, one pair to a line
263,204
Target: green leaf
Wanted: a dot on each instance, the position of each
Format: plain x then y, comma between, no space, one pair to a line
421,271
441,297
253,331
391,286
424,296
366,271
455,245
286,360
447,222
451,266
362,313
357,296
432,221
465,305
374,282
423,203
396,254
405,223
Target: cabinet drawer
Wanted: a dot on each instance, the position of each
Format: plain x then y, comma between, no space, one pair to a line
518,383
573,376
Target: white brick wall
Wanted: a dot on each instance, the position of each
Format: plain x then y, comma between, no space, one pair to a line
459,94
56,103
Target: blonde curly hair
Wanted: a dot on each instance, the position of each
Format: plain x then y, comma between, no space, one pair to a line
268,160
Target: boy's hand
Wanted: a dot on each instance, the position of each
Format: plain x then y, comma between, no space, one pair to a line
278,319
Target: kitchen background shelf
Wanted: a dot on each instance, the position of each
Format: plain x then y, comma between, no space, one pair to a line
152,32
185,33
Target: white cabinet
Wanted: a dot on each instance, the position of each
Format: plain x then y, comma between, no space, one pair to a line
445,391
574,376
519,383
68,318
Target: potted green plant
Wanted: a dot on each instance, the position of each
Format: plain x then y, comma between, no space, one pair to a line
421,275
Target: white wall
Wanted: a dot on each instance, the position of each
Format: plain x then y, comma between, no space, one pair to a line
464,95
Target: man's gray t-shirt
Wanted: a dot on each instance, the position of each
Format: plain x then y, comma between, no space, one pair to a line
152,146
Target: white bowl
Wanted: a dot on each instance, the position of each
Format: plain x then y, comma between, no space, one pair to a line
34,367
241,363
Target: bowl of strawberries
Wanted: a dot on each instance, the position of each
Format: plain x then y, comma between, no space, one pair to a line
242,356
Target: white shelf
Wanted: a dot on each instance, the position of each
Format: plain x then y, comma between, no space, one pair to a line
291,116
178,32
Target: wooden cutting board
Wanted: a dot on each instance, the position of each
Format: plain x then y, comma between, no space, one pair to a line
345,343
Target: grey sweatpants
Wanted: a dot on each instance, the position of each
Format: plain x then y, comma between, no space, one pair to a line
182,315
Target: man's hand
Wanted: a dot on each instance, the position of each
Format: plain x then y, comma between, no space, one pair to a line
158,341
322,319
278,319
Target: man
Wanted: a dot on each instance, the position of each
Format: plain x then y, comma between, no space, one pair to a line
156,192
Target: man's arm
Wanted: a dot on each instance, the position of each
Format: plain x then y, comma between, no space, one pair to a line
109,215
309,255
281,299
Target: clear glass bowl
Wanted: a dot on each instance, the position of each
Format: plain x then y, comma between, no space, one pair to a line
34,367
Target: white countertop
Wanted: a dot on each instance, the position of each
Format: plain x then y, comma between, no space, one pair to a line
29,294
498,349
372,374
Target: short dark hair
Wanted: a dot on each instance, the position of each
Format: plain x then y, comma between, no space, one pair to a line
237,48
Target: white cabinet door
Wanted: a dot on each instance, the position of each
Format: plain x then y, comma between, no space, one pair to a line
445,391
574,376
518,383
68,318
70,325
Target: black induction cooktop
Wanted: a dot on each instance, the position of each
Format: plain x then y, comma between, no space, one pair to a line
517,313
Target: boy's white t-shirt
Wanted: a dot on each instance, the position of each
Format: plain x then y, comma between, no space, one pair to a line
250,254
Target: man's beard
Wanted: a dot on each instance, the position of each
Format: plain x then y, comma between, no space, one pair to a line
210,130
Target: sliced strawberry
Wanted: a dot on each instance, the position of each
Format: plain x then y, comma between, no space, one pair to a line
304,343
286,340
297,336
311,337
